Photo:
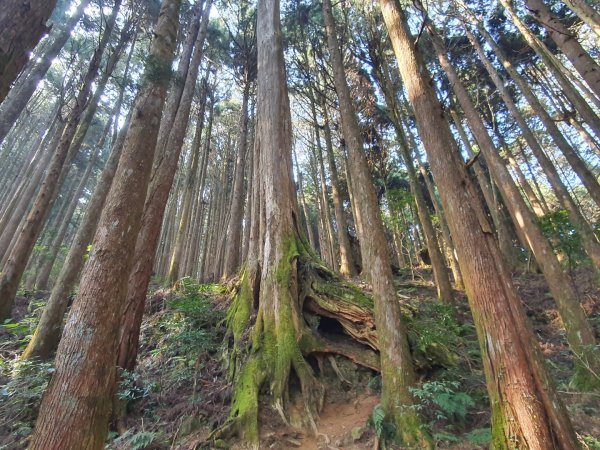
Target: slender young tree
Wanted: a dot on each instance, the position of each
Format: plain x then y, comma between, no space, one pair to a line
580,334
568,43
17,98
233,235
397,372
586,13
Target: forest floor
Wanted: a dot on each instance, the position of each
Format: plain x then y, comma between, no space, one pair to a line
180,392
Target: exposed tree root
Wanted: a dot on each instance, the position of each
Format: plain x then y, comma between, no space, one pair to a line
268,352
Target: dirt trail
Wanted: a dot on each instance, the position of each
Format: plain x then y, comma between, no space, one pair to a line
335,427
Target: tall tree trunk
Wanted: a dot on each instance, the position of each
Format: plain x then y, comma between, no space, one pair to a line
17,99
233,235
587,177
76,407
18,206
580,334
538,208
567,42
15,265
156,200
440,271
554,66
589,239
323,191
347,266
501,221
22,25
41,282
526,410
397,372
47,334
175,261
585,12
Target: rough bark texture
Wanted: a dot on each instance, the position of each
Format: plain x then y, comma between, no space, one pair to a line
31,229
526,411
397,372
161,182
567,42
76,407
47,334
22,25
580,334
233,236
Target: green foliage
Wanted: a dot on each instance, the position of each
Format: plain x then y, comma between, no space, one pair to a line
434,333
157,70
137,441
186,330
131,388
480,436
375,383
22,331
557,227
444,436
590,442
20,398
443,401
383,428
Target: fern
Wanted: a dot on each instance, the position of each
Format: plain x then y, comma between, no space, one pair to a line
141,440
480,436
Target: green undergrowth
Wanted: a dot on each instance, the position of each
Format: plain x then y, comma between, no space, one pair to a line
22,383
178,362
181,389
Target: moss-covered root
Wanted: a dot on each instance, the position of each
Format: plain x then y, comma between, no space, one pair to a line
408,431
243,418
238,320
273,356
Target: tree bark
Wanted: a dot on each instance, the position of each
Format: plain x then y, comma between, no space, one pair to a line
440,271
13,270
161,182
583,172
397,372
23,23
233,235
347,266
47,334
175,261
580,334
589,239
17,98
554,66
567,42
526,410
76,407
